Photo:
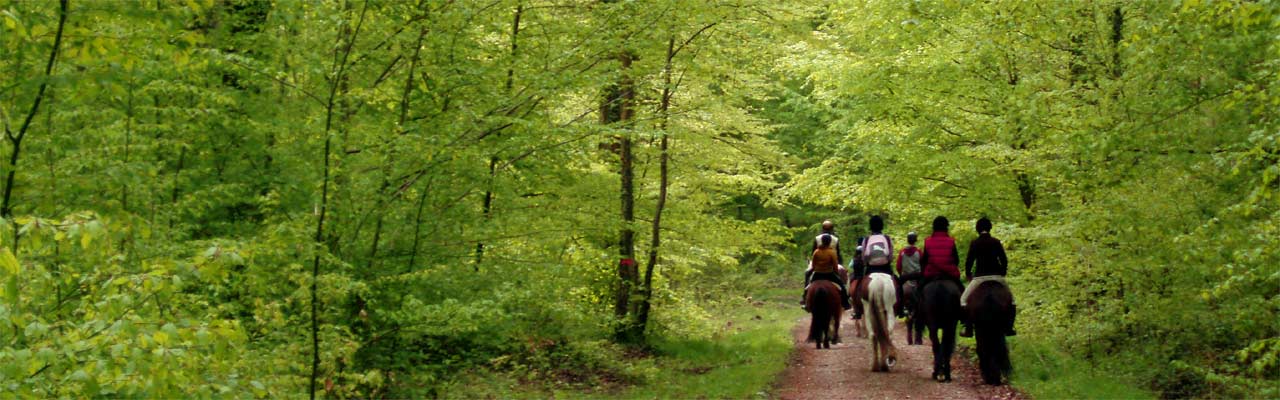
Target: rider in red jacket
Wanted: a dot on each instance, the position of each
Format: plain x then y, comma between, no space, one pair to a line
940,258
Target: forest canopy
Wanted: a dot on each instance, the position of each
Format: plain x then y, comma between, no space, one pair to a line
362,198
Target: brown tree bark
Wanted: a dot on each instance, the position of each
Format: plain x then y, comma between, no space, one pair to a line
655,238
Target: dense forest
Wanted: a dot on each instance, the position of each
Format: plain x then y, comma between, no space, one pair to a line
409,198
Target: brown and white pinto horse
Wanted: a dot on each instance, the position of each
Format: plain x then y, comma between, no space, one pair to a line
823,300
880,295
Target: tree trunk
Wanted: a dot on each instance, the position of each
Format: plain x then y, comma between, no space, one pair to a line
493,161
6,208
646,300
404,116
347,40
619,106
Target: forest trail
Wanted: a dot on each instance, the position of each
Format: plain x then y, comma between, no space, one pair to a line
844,372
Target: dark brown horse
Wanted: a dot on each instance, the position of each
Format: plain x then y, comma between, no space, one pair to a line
941,311
990,307
823,298
912,299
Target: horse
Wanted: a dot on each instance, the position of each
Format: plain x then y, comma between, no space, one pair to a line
915,324
990,307
941,311
880,296
823,298
858,289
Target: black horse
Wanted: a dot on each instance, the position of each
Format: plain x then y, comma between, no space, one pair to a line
941,310
990,307
915,325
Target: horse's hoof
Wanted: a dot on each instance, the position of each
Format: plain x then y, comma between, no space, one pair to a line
891,361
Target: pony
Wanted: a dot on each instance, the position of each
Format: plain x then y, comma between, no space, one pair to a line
990,307
858,289
915,324
878,309
941,312
823,298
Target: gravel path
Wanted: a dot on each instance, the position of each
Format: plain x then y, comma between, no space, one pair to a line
844,372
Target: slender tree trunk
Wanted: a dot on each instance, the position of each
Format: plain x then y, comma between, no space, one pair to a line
404,116
655,242
128,138
417,224
493,161
6,207
628,272
1117,35
339,73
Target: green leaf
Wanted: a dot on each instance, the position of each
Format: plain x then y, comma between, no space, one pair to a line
9,263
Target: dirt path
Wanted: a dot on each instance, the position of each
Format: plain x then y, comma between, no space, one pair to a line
844,372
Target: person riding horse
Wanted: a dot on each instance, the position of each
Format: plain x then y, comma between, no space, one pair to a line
825,265
829,228
940,258
877,254
909,261
909,278
987,254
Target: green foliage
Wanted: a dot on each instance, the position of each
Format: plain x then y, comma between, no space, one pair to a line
202,138
166,179
1125,150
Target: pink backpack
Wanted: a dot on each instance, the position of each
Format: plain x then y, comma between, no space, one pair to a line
876,250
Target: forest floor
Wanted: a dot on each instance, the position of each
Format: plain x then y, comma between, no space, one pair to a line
844,372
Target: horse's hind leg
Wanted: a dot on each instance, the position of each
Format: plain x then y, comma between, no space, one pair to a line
835,322
948,348
875,354
892,357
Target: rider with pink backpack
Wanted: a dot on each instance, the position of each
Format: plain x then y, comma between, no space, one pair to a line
877,254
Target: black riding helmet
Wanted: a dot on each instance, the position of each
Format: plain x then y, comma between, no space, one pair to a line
911,237
941,224
983,225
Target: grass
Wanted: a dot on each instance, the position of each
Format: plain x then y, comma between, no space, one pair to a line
1043,371
741,361
741,364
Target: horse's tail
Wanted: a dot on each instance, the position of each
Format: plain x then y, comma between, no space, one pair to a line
881,292
992,304
821,314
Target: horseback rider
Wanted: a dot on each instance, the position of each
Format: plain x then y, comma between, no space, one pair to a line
940,258
825,265
877,254
987,254
909,262
828,228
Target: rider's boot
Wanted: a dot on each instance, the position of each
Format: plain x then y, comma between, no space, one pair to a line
1013,315
967,331
844,296
805,292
